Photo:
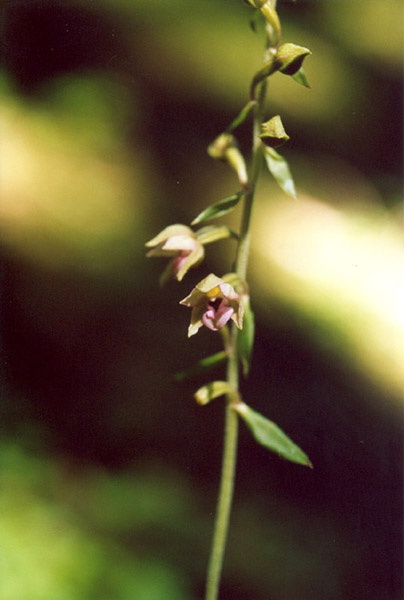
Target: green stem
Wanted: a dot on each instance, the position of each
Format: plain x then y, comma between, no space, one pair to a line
231,423
224,504
244,237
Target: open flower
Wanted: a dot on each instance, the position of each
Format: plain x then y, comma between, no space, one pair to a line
214,302
181,244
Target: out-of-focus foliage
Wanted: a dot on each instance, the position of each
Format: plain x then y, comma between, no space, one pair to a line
84,534
107,109
54,546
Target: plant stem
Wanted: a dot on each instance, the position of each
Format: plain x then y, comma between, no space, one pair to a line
224,504
231,420
244,236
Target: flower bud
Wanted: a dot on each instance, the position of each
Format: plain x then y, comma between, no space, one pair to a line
212,390
271,17
273,133
225,148
289,58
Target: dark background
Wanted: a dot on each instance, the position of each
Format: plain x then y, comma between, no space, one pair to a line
109,470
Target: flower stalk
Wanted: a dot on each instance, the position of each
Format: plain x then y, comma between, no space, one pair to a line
219,302
229,460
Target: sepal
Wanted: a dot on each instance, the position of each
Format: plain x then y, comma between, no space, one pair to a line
167,233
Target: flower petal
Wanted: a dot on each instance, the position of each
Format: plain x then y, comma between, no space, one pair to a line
180,242
171,230
196,320
192,260
228,291
208,283
216,319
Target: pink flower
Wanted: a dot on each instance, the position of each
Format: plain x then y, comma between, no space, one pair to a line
179,243
214,302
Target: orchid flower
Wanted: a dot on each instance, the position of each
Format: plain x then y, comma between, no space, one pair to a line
181,244
214,302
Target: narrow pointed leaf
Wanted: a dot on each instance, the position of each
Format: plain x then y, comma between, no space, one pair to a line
246,338
213,233
268,434
279,168
204,364
300,77
241,117
212,390
218,209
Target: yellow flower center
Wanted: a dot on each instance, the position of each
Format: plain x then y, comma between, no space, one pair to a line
214,292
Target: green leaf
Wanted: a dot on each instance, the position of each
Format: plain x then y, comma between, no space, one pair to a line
241,117
246,338
213,233
218,209
205,363
212,390
271,436
300,77
279,168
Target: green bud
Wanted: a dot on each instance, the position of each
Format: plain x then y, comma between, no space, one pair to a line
272,19
273,133
211,391
219,147
213,233
289,58
225,148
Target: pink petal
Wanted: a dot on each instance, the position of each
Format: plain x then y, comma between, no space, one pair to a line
215,319
178,262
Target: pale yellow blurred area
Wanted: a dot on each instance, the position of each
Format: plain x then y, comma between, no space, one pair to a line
71,194
341,268
353,22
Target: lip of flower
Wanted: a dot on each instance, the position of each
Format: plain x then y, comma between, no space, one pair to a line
181,244
214,302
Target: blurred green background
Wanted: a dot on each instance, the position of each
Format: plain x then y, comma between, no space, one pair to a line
109,471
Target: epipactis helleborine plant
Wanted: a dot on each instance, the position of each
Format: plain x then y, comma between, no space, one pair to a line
218,302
